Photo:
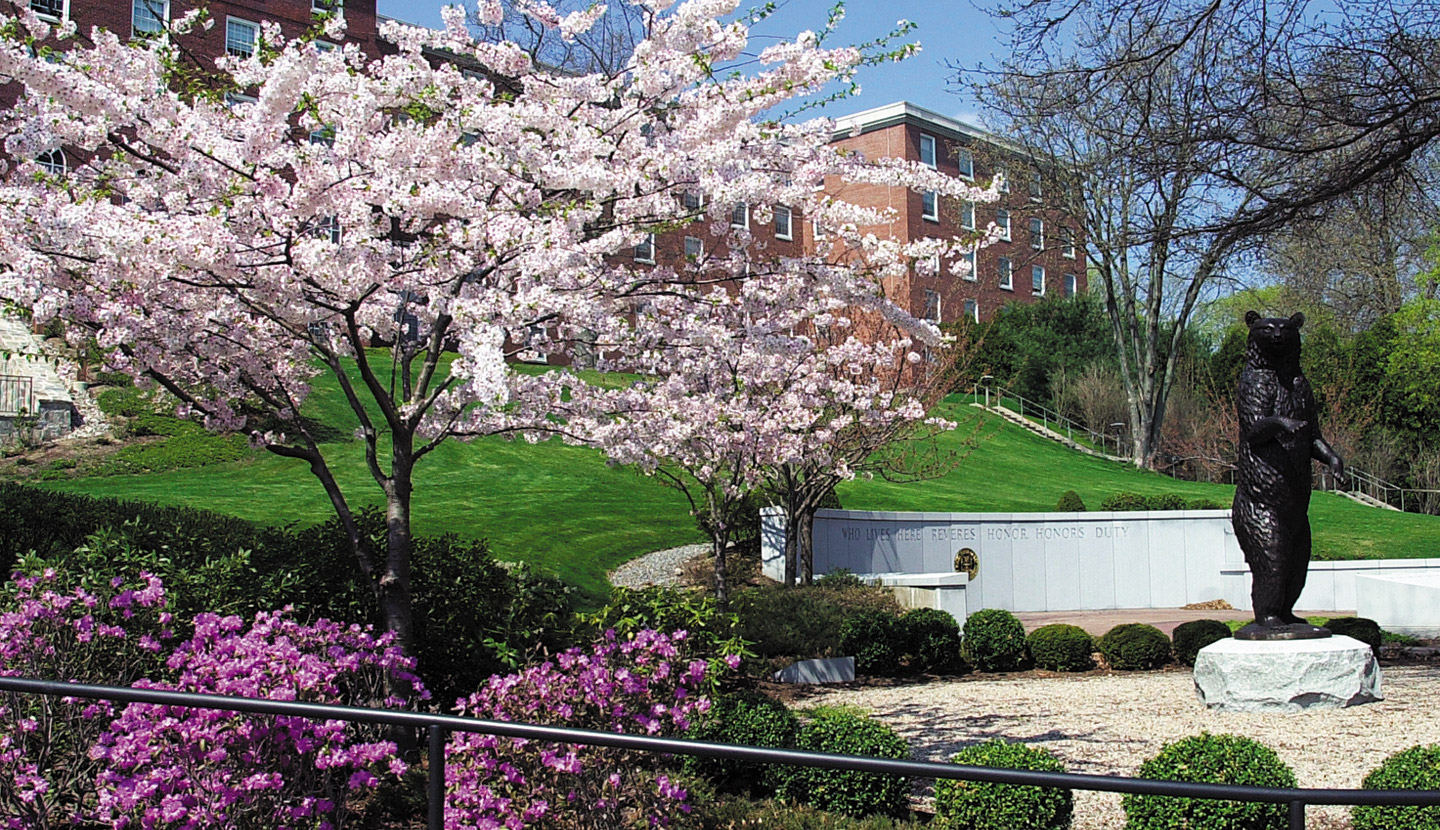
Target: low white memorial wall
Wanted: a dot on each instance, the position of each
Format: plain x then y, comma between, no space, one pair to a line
1033,561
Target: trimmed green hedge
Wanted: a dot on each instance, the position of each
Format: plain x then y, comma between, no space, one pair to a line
973,805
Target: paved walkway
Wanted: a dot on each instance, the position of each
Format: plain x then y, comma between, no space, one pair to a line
1165,619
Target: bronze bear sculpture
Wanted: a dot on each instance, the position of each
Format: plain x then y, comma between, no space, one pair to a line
1279,435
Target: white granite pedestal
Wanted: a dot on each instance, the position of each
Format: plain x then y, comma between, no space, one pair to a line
1286,675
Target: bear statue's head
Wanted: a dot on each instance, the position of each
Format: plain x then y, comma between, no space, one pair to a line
1275,337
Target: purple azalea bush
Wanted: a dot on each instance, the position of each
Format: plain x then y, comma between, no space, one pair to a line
643,685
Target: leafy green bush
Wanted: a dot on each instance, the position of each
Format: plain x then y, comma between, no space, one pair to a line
1135,646
839,579
1163,501
1061,647
751,719
1070,502
1363,629
125,401
1192,636
713,812
932,640
876,639
1124,501
846,791
714,633
1214,759
152,423
179,452
1391,638
1416,768
805,621
970,805
993,640
1166,501
1205,504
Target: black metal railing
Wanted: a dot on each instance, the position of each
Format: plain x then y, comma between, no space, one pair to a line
17,395
437,726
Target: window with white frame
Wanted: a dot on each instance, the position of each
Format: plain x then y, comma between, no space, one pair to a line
1036,185
1070,285
1037,234
645,251
1003,174
50,9
1002,221
693,200
927,149
740,215
817,230
972,310
967,215
335,7
694,249
968,258
1037,280
323,135
932,306
782,223
328,228
967,164
242,37
235,99
149,17
1007,274
930,206
1067,243
52,162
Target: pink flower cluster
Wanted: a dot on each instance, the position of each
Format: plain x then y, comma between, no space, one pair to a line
645,685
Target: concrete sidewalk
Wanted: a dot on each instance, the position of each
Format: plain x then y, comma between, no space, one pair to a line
1165,619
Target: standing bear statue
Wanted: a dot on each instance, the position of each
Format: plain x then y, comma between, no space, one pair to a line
1279,435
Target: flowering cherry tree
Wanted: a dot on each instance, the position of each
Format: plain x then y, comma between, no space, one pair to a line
232,237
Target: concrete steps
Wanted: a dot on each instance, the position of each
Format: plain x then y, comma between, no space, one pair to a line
30,387
1367,500
1044,432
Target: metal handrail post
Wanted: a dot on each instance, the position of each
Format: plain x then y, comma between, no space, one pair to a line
436,788
1297,815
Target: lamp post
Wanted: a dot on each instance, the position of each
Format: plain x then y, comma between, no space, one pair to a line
1118,428
985,381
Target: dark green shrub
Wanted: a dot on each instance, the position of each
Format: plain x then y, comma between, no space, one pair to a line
1416,768
1215,759
1070,502
993,640
932,640
125,401
1391,638
713,812
714,633
749,718
846,791
1135,646
1205,504
1363,629
1192,636
877,640
975,806
1061,647
151,423
839,579
1124,501
805,621
179,452
1166,501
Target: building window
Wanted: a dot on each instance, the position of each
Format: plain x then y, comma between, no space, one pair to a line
1037,234
325,46
241,37
1003,175
1037,280
335,7
1002,222
235,99
972,310
968,258
323,135
932,306
645,251
1070,285
1006,274
927,149
930,206
782,222
740,215
52,162
1036,188
693,200
694,249
967,215
967,164
817,230
328,227
53,10
1067,243
149,17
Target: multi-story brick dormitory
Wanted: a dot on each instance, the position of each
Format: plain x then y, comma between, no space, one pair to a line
1039,257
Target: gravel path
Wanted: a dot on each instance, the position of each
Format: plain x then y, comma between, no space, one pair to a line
656,568
1109,724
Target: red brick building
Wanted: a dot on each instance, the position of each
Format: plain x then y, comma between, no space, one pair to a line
1039,257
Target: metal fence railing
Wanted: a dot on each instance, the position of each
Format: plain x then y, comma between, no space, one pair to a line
17,395
1110,444
437,726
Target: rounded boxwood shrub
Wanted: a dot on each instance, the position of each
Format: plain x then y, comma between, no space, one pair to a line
977,806
1166,501
876,640
1213,759
993,640
1070,502
1363,629
1416,768
749,718
933,640
1125,501
1061,647
1135,646
1192,636
846,791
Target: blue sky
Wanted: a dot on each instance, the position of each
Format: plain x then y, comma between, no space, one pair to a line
958,32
